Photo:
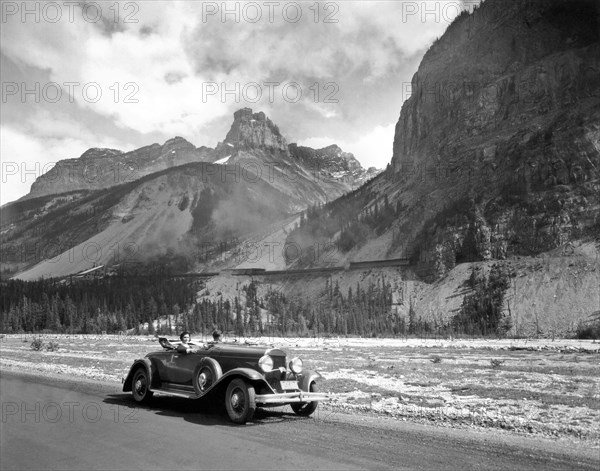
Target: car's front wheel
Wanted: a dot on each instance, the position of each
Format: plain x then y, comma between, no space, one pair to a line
240,401
306,408
140,386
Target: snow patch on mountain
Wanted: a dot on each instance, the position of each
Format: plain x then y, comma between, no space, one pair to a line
223,161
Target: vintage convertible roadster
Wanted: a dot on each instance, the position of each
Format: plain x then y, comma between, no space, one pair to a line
248,376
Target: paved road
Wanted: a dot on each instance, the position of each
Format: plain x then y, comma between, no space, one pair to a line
56,425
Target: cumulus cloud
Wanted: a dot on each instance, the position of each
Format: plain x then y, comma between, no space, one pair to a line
149,70
122,74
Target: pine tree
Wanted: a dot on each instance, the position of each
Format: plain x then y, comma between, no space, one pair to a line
239,323
177,316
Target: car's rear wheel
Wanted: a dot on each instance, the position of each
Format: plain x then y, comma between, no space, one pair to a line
206,375
140,386
240,401
306,408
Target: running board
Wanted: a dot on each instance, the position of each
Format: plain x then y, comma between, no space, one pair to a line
177,392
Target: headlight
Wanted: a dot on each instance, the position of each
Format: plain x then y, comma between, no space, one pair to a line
296,365
265,363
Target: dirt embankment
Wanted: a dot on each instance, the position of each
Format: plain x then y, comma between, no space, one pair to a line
549,296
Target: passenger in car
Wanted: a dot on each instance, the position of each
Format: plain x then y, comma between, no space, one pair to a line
184,346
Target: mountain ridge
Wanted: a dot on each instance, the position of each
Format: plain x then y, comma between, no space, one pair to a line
251,137
99,168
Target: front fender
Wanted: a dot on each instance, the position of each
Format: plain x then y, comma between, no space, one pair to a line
248,374
143,363
306,378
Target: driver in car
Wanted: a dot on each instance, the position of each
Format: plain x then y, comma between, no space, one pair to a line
184,346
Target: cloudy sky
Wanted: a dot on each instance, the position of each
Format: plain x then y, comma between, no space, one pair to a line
122,75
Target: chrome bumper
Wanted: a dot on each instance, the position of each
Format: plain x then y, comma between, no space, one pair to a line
296,396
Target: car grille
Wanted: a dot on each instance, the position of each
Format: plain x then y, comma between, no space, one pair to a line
278,361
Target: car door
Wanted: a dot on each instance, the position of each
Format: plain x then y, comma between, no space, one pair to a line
181,367
161,361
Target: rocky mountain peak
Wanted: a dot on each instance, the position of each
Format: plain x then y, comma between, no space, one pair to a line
99,153
331,158
252,130
337,156
177,143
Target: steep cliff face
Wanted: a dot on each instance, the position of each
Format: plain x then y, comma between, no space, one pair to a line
98,168
497,150
487,74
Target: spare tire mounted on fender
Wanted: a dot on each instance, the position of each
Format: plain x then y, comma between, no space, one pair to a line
207,373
